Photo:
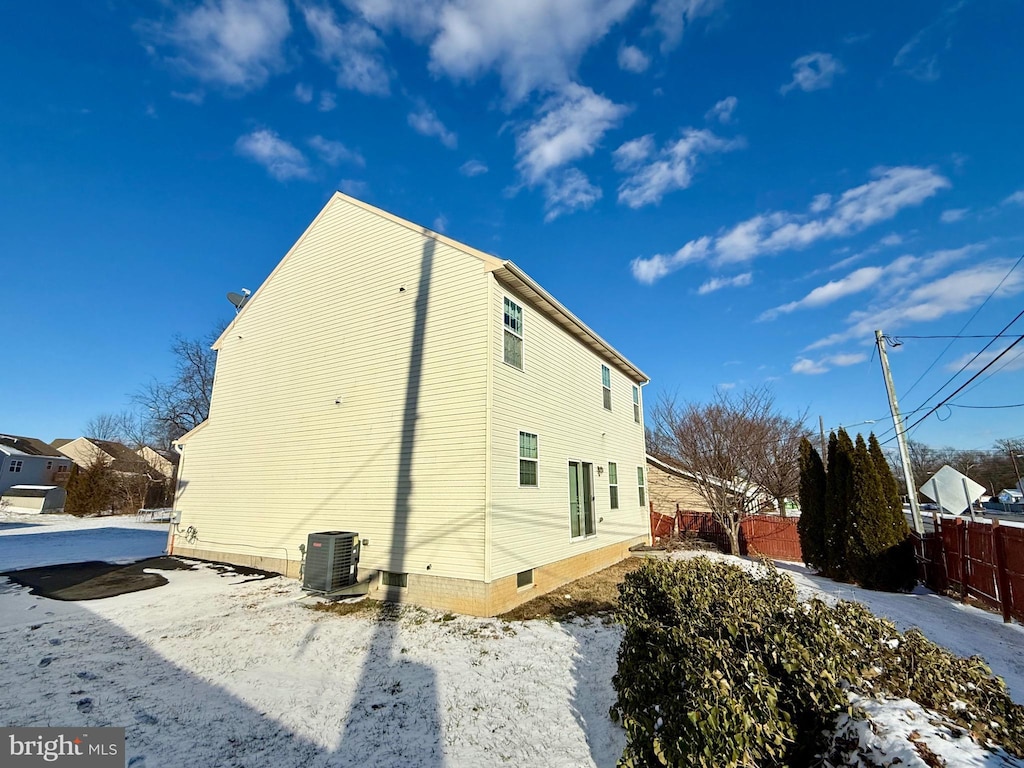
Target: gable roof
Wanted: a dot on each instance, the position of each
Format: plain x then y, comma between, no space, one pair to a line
504,271
30,446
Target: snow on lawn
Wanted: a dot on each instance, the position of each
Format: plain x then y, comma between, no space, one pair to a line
216,670
30,541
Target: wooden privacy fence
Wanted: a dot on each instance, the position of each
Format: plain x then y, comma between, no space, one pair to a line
768,535
981,559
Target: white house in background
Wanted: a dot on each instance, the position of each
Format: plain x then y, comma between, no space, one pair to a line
30,461
483,441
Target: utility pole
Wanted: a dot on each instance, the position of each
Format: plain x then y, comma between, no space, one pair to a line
1016,471
901,438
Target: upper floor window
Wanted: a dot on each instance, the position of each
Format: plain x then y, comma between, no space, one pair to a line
527,459
636,404
606,386
15,465
641,486
513,334
49,465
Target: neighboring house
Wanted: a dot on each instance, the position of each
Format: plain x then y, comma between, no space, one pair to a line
85,451
385,379
164,462
29,461
1010,496
34,498
672,488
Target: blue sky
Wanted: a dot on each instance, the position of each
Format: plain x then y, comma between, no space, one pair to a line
731,192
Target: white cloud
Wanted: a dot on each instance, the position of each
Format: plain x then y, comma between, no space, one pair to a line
425,121
1012,362
953,214
281,159
568,191
192,97
899,273
880,199
440,223
919,57
1017,198
570,127
722,111
231,43
809,367
328,101
813,72
919,302
334,152
354,187
890,240
654,174
533,46
632,59
353,49
821,203
656,267
472,168
717,283
303,93
671,17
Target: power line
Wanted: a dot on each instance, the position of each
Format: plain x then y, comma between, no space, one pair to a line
980,336
1002,367
962,386
1013,405
962,329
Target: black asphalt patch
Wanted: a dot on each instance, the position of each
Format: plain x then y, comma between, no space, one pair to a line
96,580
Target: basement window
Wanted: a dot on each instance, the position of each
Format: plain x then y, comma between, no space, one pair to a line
524,579
391,579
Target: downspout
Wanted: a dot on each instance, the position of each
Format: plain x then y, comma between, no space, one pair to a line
489,404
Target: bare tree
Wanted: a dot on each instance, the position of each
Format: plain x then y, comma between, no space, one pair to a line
106,426
174,407
777,468
723,445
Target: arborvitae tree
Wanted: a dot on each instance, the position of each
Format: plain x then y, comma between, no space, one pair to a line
890,487
811,525
878,546
89,490
838,496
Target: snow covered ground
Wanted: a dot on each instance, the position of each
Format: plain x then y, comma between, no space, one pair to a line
222,670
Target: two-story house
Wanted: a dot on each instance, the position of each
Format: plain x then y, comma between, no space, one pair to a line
30,461
483,441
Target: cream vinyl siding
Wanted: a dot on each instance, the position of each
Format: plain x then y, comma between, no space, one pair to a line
557,396
312,423
666,489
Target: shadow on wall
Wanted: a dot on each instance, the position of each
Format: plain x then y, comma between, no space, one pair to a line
381,666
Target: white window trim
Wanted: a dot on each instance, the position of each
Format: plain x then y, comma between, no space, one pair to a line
16,465
520,457
642,473
568,501
637,409
607,389
521,335
614,485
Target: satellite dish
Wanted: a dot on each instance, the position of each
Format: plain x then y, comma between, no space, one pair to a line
239,299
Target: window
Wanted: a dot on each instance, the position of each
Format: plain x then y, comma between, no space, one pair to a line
581,499
513,334
613,485
640,486
391,579
62,468
524,579
636,404
49,465
528,459
15,465
606,386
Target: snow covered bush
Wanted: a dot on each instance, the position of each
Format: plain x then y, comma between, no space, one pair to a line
722,667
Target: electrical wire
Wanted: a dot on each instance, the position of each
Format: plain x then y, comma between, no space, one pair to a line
961,387
962,329
1012,405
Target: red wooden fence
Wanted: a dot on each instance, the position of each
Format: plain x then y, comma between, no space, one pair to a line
982,560
768,535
